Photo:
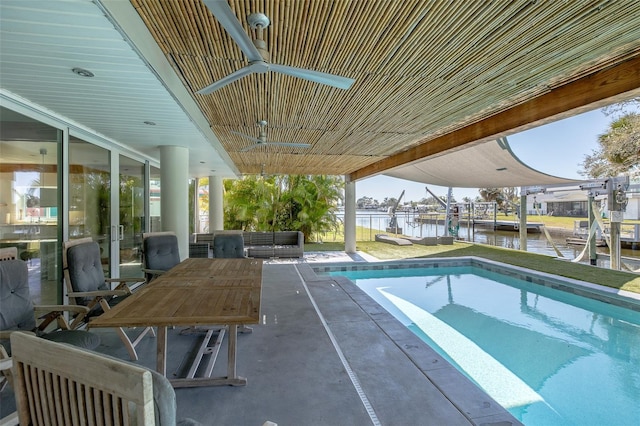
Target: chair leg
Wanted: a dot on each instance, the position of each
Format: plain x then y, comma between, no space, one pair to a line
142,334
127,344
5,375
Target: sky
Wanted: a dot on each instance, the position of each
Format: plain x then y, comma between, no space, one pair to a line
556,148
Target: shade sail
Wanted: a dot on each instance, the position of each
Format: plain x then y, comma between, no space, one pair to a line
486,165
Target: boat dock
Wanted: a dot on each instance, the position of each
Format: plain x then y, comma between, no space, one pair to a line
497,225
629,234
507,225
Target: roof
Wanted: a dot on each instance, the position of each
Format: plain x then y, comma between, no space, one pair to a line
484,165
430,76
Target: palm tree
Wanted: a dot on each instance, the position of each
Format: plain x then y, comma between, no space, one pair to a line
276,203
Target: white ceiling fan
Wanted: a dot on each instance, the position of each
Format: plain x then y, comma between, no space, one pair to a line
261,140
256,51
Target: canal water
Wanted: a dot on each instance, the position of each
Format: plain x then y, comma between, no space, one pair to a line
536,242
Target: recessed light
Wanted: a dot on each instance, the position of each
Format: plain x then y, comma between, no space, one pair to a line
150,123
82,72
202,162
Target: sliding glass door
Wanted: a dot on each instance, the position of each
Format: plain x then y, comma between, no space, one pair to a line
90,195
131,217
30,200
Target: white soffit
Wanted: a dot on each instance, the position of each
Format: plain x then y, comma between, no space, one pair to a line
486,165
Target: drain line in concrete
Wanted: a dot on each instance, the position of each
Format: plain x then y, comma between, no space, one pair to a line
345,363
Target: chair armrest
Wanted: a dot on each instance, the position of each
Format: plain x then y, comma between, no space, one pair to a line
10,420
6,364
5,334
300,239
125,280
62,308
98,293
153,271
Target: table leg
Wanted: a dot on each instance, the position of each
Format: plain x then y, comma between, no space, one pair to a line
233,341
161,353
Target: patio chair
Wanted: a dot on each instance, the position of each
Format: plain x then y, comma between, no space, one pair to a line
61,384
160,253
87,286
228,246
18,314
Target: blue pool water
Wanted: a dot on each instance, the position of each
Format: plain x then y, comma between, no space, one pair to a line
548,356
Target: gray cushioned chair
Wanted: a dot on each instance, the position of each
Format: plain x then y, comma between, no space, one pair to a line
228,246
87,286
160,253
18,313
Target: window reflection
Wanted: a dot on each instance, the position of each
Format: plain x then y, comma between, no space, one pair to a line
89,194
29,199
154,200
131,216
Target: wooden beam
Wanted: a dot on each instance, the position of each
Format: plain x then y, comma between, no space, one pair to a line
601,88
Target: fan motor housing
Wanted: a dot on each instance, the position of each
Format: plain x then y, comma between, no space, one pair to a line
258,20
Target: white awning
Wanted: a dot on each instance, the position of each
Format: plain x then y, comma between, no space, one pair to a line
486,165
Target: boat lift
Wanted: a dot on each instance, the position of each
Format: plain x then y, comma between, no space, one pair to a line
452,224
615,190
393,222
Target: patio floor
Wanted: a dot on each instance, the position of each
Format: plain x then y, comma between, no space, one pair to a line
323,354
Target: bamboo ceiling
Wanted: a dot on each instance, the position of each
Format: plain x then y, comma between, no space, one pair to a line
422,69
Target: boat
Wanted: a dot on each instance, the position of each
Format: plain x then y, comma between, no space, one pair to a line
577,241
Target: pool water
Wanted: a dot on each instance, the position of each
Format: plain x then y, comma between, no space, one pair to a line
548,356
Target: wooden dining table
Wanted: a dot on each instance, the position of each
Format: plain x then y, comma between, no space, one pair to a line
199,293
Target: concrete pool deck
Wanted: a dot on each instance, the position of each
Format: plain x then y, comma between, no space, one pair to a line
324,354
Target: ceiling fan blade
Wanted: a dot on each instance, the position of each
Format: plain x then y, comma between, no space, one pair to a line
251,138
250,147
292,144
223,13
316,76
225,80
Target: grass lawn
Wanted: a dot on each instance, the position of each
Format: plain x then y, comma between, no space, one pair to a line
538,262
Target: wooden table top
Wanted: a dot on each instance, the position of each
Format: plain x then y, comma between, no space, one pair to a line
197,291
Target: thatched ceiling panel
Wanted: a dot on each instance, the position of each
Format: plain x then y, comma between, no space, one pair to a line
422,68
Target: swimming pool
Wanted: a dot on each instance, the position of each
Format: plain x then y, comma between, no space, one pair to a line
551,357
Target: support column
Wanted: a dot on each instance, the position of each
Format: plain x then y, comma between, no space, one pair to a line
174,204
447,214
523,220
350,217
614,238
593,257
216,203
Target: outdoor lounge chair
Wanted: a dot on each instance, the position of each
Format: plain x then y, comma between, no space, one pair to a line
64,385
18,313
160,253
87,286
383,238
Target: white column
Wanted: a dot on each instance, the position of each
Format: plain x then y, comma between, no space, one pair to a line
174,204
350,216
523,219
216,203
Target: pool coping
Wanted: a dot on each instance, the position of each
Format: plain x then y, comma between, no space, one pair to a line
622,298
